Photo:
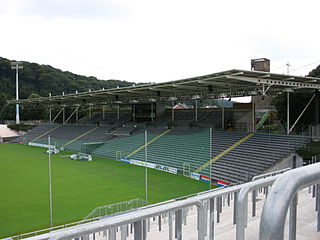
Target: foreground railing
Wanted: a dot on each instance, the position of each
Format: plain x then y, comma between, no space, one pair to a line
284,194
209,207
42,232
170,217
270,174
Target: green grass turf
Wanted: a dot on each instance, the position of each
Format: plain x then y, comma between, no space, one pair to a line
78,187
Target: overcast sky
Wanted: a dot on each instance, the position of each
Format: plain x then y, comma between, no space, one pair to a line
157,41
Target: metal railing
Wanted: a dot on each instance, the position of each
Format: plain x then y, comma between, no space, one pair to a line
315,159
44,231
242,203
270,174
284,194
209,207
114,208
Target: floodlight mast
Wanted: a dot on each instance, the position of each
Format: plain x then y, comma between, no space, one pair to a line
50,182
17,66
288,104
146,163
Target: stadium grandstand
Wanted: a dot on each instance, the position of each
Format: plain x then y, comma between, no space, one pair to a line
223,145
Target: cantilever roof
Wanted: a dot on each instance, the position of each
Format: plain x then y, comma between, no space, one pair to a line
232,83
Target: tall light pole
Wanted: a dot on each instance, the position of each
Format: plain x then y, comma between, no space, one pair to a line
50,182
146,162
17,66
210,154
288,105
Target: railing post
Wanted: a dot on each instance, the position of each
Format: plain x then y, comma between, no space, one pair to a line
124,233
318,211
217,209
207,219
201,216
241,217
159,222
178,223
137,230
211,220
144,229
112,233
235,199
293,218
170,226
254,200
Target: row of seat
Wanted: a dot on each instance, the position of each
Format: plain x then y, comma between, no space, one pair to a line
34,133
122,145
254,156
185,150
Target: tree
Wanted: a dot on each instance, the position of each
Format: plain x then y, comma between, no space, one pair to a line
315,72
42,80
298,101
33,112
7,112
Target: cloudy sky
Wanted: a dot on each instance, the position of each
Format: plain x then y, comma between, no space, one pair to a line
160,40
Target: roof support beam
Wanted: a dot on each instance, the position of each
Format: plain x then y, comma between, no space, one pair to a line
237,73
71,115
305,108
182,86
138,91
281,82
158,89
57,115
265,76
264,91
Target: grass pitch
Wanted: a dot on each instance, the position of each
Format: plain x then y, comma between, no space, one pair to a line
78,187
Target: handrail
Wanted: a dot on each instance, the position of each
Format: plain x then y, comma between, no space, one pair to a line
242,203
41,234
142,213
131,217
211,201
282,193
271,173
147,212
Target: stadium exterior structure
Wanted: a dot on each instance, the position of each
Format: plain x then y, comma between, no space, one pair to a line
226,84
232,83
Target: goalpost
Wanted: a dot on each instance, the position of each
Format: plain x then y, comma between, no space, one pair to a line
89,147
186,169
118,155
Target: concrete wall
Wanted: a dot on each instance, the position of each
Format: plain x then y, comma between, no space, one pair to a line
7,139
286,163
262,102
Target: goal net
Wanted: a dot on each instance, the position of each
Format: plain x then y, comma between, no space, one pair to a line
89,147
